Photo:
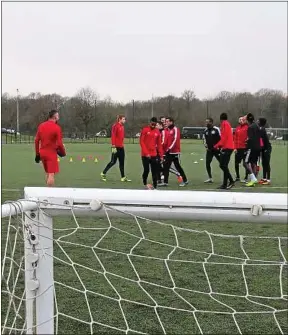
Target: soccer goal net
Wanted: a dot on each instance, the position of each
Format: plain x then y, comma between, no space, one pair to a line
88,261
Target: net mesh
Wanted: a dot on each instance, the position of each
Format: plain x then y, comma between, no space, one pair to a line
134,275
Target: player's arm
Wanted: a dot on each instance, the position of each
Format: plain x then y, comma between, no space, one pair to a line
142,142
204,139
265,139
174,139
249,138
163,137
37,146
222,137
113,135
61,149
160,147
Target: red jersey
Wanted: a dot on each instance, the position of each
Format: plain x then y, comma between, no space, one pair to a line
172,142
117,135
49,139
150,142
226,141
240,136
164,136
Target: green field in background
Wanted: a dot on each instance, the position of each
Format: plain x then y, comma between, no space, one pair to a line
110,288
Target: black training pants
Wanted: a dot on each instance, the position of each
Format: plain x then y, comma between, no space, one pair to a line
169,159
210,153
266,157
120,155
152,162
225,155
239,157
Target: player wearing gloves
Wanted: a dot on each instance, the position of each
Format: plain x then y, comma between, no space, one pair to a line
211,136
49,144
226,146
117,149
151,151
172,152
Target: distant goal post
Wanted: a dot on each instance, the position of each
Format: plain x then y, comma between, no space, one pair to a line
40,205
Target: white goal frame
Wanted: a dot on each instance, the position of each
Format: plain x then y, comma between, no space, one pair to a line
41,204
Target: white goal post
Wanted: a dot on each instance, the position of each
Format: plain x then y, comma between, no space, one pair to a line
191,205
40,205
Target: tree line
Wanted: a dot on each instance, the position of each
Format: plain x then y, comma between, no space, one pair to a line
86,113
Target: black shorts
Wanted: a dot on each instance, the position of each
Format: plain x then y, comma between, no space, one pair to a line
252,156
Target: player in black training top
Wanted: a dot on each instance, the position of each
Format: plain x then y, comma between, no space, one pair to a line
265,152
253,149
211,136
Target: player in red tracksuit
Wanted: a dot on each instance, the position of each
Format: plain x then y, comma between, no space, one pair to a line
226,146
49,144
117,148
151,149
240,139
172,150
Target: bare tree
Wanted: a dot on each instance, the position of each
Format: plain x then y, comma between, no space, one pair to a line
188,96
85,101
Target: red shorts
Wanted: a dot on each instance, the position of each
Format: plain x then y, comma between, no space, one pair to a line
50,162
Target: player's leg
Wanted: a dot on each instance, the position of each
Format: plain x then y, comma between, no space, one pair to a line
51,180
180,170
266,157
209,158
114,157
154,170
264,167
242,153
166,167
237,162
51,167
251,163
224,165
174,171
121,159
159,169
146,169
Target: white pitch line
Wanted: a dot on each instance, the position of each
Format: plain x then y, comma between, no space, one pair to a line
244,188
11,190
206,189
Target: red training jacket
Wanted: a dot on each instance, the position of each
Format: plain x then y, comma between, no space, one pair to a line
164,135
49,139
240,136
226,141
117,135
172,142
150,142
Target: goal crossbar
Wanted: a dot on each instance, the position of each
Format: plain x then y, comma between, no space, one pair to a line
196,205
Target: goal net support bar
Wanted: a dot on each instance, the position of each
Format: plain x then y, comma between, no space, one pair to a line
156,205
41,204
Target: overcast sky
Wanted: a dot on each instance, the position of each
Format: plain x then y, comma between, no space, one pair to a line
134,50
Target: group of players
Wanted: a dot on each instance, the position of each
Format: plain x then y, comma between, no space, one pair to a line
249,142
161,149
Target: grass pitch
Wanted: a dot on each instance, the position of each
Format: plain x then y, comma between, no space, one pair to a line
107,286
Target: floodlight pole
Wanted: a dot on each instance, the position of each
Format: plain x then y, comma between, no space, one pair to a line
17,112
